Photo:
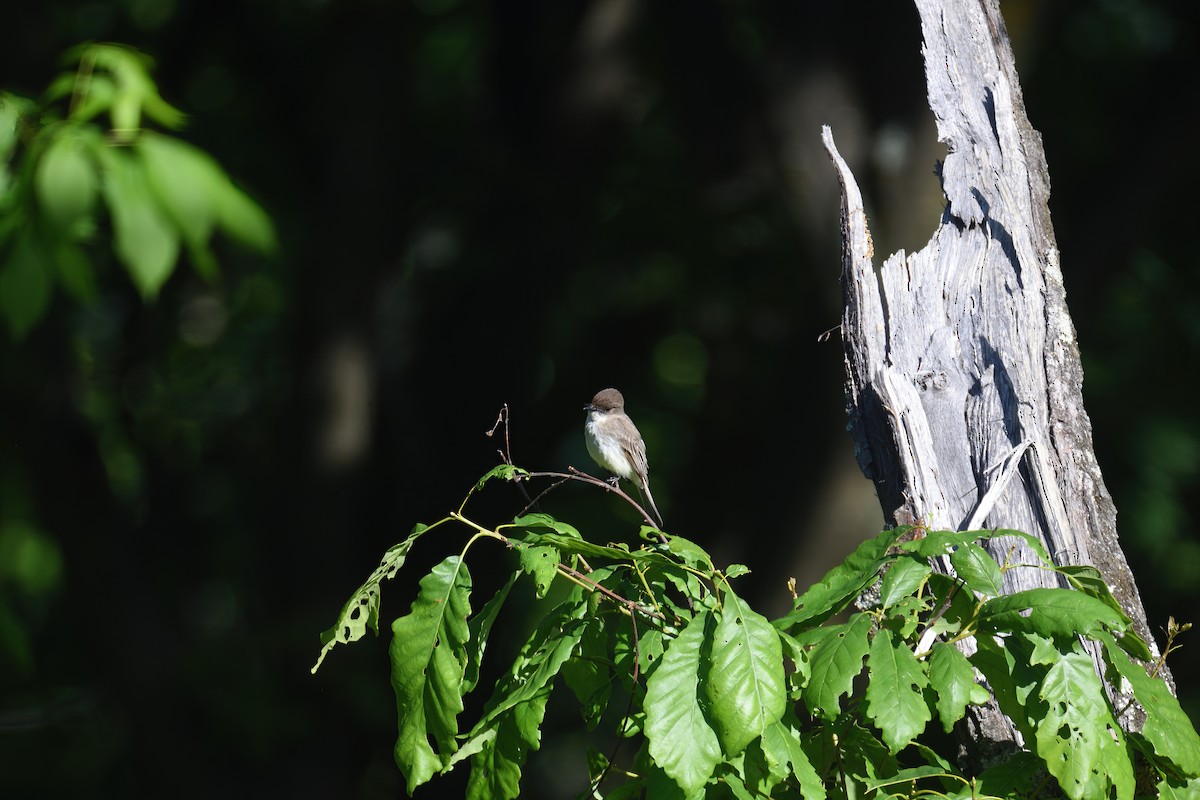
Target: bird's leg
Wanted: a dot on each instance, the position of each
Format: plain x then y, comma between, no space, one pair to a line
614,480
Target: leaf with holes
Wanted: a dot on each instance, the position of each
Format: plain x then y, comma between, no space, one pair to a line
362,609
1078,738
834,664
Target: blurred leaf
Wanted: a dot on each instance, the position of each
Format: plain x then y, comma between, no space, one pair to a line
134,92
66,182
25,285
145,240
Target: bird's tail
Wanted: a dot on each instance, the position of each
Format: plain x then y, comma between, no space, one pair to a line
649,498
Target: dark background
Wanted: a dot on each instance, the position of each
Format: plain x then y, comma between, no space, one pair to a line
522,203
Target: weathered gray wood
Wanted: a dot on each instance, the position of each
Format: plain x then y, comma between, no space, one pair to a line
964,385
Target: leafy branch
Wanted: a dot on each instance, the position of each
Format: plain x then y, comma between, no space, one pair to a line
721,702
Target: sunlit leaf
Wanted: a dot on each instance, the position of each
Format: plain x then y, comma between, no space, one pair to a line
1078,738
895,702
842,583
429,655
1167,727
835,663
977,569
541,562
1053,613
361,611
902,580
953,678
496,770
681,740
480,627
781,745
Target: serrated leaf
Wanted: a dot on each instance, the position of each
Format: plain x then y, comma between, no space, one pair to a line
681,741
835,662
361,611
1078,738
25,285
541,562
1054,613
429,656
65,181
953,678
745,683
977,569
144,238
842,583
902,580
782,747
895,702
1014,681
1167,727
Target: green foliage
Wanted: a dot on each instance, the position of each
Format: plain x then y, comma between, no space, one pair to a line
63,175
719,702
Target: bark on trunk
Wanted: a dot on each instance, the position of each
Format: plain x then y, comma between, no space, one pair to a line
964,385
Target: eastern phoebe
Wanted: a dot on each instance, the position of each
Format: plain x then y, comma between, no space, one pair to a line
614,443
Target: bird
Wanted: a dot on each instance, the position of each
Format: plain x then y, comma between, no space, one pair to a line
613,442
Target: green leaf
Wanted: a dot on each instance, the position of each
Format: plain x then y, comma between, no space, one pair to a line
540,659
589,676
496,769
144,238
1089,581
66,182
977,569
842,583
540,561
1014,681
1079,739
953,678
681,741
429,656
1171,789
781,746
1014,778
362,609
1167,727
902,580
835,662
940,543
895,702
691,554
1054,613
25,285
507,472
134,91
480,627
745,683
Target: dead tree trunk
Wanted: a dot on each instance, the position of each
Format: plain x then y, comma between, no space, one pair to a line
963,373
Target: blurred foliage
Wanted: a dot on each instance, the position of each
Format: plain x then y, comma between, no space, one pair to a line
160,192
482,203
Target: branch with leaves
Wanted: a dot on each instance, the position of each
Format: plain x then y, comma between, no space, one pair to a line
721,702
